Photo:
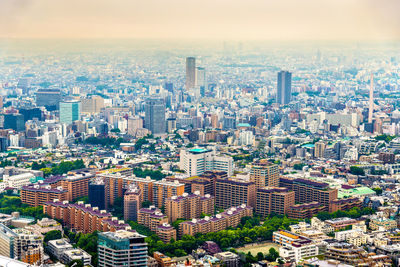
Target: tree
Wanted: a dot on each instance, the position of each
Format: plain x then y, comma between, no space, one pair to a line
52,235
356,170
377,190
146,204
260,256
115,130
272,255
118,207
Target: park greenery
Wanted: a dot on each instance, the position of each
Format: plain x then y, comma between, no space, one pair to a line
357,170
103,141
385,137
58,169
248,231
87,242
9,204
143,173
352,213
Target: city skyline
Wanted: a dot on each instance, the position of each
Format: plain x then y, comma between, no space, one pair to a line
175,19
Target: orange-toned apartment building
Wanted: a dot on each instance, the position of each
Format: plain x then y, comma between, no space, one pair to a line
82,217
233,193
189,206
274,200
37,195
221,221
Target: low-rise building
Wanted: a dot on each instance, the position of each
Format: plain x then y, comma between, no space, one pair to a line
382,223
58,246
229,259
76,254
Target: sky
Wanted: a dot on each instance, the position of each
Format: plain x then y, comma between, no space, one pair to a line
202,19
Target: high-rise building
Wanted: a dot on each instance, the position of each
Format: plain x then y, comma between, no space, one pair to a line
201,80
28,247
169,87
31,113
231,193
14,121
307,191
274,200
171,125
164,189
371,100
49,98
190,73
7,237
122,248
284,88
155,115
97,194
70,111
92,105
196,161
264,173
188,206
132,203
319,149
38,194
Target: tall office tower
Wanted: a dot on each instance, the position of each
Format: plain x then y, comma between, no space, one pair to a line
31,113
49,98
319,149
14,121
232,193
97,194
75,90
371,100
70,111
132,203
122,248
92,105
171,125
284,89
24,84
169,87
274,200
201,80
155,115
190,73
196,161
264,173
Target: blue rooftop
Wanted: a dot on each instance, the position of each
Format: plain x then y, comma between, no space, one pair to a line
198,150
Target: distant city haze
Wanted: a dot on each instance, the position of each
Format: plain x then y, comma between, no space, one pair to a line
206,19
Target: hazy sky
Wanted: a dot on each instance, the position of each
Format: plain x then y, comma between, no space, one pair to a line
219,19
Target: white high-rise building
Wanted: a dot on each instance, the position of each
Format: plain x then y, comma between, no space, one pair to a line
196,161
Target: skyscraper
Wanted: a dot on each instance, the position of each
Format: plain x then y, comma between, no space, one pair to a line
371,100
155,115
284,89
190,73
49,98
201,80
14,121
70,111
